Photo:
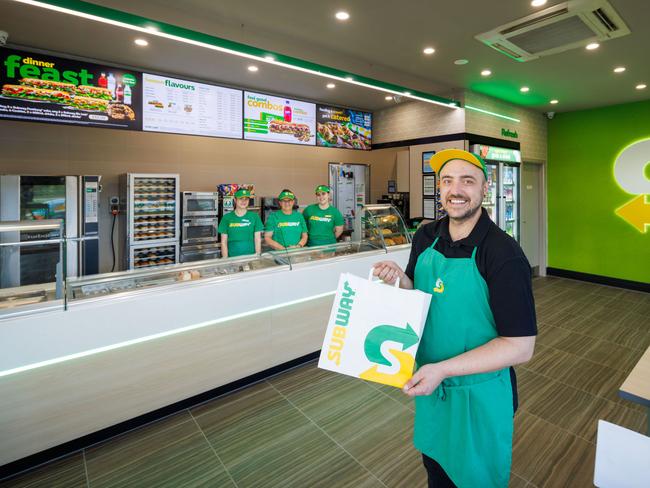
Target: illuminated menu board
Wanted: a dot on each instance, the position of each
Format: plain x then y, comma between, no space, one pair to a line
276,119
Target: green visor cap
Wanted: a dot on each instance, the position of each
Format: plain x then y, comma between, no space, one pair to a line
322,189
243,193
286,195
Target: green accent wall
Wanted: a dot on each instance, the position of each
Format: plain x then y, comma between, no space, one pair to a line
584,233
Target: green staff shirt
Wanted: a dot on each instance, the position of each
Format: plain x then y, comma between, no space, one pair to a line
321,224
287,229
240,232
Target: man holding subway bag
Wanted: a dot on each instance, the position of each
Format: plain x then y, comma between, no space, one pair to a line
481,322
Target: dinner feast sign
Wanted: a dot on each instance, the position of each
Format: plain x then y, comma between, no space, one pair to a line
44,88
342,127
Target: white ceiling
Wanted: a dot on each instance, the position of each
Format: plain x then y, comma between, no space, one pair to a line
383,39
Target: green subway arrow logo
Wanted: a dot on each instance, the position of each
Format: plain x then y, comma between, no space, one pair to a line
382,333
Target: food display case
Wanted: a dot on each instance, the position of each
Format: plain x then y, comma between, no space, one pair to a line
383,226
152,218
328,251
113,283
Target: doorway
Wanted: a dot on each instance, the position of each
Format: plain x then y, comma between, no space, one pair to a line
533,216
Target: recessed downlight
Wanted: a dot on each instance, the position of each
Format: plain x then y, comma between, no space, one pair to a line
554,102
252,68
641,86
619,69
141,42
538,3
342,15
428,50
331,85
524,89
486,72
461,62
591,46
388,97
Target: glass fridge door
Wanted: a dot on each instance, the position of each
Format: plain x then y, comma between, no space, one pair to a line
510,185
491,202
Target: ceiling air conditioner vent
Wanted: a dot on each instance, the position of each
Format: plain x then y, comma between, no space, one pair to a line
556,29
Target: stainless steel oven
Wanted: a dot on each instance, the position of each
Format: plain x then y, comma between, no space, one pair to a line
199,231
200,204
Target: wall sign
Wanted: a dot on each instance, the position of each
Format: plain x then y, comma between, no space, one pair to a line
187,107
344,128
276,119
43,88
509,133
426,159
629,172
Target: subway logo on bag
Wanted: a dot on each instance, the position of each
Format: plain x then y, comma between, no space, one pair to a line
342,321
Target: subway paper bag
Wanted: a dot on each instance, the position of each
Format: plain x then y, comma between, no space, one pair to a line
374,331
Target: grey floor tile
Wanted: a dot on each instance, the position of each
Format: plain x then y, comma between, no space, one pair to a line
68,472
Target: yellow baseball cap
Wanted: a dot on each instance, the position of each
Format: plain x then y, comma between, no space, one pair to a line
439,159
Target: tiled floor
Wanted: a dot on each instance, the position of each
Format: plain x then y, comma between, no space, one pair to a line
310,428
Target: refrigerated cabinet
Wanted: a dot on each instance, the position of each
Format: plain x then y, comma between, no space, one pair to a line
152,218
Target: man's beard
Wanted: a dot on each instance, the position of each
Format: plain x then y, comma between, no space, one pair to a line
468,214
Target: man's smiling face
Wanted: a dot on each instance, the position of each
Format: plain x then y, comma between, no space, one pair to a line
462,189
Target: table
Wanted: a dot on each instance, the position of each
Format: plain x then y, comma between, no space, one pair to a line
636,386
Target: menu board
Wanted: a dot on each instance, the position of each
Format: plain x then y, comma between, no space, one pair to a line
187,107
342,127
43,88
275,119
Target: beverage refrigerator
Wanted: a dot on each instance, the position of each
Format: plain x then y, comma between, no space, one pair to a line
75,200
503,195
152,219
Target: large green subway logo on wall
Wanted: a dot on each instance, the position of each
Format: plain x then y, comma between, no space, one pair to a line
630,174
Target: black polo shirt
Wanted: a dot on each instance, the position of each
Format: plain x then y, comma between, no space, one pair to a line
502,264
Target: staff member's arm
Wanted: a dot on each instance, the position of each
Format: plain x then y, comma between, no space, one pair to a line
223,230
304,236
338,223
499,353
259,227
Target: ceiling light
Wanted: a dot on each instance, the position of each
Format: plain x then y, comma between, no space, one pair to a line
554,102
619,69
486,72
428,50
349,78
388,97
141,42
187,36
538,3
342,15
460,62
331,85
593,45
641,86
269,58
407,93
524,89
253,68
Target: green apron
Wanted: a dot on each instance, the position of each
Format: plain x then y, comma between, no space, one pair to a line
466,423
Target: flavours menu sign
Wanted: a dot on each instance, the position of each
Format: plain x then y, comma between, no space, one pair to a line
342,127
186,107
276,119
44,88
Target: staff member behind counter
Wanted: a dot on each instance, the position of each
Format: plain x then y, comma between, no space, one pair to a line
324,222
285,228
241,230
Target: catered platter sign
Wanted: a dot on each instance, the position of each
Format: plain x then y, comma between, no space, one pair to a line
43,88
343,127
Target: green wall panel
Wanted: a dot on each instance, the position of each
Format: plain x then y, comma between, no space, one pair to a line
584,232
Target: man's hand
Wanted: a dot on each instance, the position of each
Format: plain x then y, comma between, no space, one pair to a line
388,271
424,381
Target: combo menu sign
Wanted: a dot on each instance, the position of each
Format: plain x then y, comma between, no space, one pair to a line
276,119
342,127
186,107
44,88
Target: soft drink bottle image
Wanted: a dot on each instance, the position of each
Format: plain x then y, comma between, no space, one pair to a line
287,112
